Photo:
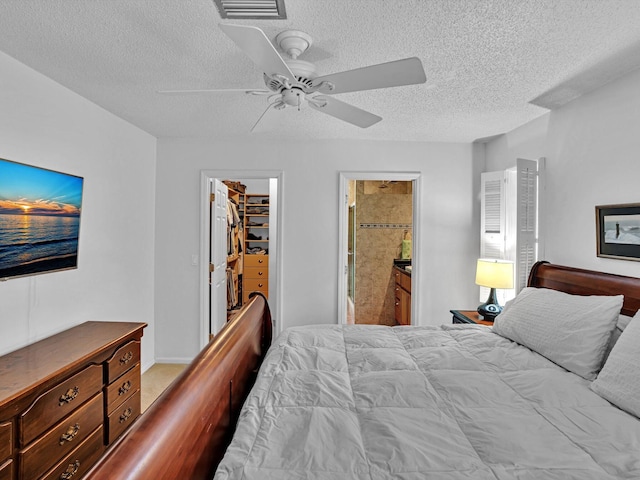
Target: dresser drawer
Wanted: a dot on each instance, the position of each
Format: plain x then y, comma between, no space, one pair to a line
6,470
255,285
256,273
256,260
6,440
58,402
122,389
78,462
123,416
250,285
125,358
62,438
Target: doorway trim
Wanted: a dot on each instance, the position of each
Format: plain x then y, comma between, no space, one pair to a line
343,217
275,293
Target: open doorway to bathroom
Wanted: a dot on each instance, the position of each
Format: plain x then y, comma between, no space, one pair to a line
378,235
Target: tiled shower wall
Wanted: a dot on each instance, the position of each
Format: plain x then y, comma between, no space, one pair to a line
382,217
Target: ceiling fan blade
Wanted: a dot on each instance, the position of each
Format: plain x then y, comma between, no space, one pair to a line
344,111
408,71
250,91
257,46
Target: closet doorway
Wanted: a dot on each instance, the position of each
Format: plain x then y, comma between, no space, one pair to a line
378,229
222,252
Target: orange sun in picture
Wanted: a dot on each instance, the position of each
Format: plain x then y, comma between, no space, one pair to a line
25,208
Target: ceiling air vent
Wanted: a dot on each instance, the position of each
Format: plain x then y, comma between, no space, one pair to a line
252,9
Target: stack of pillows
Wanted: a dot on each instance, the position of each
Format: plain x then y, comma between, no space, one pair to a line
577,332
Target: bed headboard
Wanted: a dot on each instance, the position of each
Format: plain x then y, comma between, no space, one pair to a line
587,282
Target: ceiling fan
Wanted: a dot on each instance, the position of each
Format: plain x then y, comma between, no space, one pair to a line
292,82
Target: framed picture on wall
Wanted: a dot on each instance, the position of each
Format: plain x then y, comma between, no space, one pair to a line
618,231
39,219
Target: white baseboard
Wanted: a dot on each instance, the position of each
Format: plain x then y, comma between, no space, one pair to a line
146,367
180,360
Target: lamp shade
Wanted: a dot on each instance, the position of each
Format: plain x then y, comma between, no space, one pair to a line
494,273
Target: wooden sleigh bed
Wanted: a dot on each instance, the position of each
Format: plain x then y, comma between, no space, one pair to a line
184,433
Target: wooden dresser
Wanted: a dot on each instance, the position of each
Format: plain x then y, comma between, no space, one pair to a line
255,276
65,398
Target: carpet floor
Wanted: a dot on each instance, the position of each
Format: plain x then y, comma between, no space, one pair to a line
156,379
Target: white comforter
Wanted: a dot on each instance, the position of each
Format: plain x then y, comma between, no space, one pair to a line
455,402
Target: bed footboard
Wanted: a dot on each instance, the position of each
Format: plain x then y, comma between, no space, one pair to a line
184,433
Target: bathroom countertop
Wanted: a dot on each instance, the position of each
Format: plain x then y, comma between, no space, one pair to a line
403,269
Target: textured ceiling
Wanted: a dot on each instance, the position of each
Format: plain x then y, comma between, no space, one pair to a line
491,65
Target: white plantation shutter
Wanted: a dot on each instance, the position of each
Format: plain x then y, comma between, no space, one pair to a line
509,221
527,220
492,221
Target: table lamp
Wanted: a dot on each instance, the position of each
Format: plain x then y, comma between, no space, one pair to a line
493,273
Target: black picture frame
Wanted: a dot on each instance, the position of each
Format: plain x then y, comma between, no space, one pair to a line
617,230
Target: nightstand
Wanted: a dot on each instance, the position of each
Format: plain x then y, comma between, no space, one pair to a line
469,316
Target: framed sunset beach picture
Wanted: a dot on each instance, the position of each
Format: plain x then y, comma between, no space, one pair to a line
39,219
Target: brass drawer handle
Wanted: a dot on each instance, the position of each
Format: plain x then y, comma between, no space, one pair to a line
259,273
69,396
126,415
126,358
126,386
260,285
71,470
70,434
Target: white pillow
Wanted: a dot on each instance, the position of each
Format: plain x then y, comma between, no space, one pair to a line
570,330
619,380
623,321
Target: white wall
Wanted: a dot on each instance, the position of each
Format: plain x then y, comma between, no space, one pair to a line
449,237
592,146
47,125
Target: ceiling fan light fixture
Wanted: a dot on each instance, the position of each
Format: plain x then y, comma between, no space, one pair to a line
293,96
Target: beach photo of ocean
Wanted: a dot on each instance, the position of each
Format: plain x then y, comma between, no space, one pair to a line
622,229
39,219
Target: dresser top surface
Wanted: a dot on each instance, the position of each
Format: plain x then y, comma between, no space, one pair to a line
50,357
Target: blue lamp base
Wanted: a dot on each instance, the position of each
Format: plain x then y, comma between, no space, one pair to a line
491,308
